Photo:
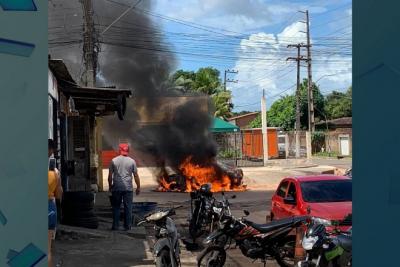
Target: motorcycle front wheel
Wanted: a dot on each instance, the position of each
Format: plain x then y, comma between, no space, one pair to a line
213,256
285,257
164,259
195,230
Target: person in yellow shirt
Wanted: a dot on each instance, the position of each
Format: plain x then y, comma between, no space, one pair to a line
54,192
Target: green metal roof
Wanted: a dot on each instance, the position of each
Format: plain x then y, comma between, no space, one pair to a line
221,126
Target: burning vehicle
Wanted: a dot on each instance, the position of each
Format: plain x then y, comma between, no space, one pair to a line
190,176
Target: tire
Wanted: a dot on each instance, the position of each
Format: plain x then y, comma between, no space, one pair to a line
213,256
78,197
285,257
78,206
195,230
80,214
91,222
164,259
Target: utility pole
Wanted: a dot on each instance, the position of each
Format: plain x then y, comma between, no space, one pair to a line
90,46
310,93
297,59
229,80
90,55
264,128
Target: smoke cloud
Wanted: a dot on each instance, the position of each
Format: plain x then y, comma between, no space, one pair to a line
134,56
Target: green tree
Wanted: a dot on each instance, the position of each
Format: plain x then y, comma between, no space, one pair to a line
206,81
281,114
338,105
256,123
222,104
319,104
243,112
283,111
183,80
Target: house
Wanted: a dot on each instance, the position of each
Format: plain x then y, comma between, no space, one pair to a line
243,121
74,113
338,135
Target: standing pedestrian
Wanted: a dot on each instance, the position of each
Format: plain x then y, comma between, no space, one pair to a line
121,170
54,192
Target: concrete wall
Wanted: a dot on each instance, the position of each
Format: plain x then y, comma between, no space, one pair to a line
332,139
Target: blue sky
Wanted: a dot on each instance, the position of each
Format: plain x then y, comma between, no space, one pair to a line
251,36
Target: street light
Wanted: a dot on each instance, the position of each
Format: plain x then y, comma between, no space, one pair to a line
326,75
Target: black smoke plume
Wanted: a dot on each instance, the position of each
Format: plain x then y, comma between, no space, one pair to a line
134,56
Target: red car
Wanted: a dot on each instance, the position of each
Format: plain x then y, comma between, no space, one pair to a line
324,196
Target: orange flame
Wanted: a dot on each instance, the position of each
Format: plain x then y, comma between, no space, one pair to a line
197,175
164,185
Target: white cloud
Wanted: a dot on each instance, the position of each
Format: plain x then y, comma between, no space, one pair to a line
234,15
274,74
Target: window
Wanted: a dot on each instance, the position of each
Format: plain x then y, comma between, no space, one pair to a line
292,190
282,189
327,191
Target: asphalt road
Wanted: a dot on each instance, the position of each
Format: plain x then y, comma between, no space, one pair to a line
257,202
119,249
339,163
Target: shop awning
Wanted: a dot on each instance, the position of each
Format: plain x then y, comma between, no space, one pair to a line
98,101
221,126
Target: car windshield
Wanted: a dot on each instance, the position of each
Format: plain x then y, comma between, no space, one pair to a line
327,191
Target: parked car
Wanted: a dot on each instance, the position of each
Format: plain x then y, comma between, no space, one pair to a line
324,196
349,173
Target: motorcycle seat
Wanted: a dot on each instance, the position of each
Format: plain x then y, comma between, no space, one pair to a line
345,242
276,224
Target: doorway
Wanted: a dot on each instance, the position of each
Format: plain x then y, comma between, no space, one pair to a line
344,142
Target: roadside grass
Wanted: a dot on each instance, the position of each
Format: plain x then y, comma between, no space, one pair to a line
329,155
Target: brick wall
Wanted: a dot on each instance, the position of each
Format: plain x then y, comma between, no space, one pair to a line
332,139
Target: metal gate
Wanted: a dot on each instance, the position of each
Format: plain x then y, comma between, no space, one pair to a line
239,149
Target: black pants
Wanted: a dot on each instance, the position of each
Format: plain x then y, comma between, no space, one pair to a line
125,197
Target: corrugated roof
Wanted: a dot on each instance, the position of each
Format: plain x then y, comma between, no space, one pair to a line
345,121
60,71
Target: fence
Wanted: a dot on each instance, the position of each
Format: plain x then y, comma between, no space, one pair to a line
290,144
238,149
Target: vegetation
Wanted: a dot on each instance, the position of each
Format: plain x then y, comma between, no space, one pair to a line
283,111
243,112
206,81
326,154
338,105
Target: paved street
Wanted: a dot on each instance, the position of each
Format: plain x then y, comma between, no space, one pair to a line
119,249
339,163
105,248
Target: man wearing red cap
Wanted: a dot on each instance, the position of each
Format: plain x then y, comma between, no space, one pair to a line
121,170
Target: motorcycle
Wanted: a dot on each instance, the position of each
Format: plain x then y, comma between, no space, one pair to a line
256,241
200,205
326,249
166,249
206,211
